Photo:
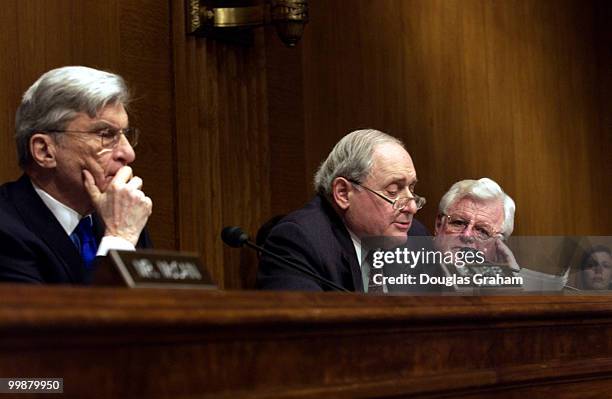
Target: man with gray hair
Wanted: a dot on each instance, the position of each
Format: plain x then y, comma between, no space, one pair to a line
365,188
77,197
476,214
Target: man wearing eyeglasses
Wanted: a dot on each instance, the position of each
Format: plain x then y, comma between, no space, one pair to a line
476,215
365,188
78,197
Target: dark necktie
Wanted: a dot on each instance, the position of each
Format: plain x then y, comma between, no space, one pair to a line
85,240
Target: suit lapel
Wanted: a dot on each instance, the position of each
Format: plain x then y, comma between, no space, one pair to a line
39,219
352,264
347,248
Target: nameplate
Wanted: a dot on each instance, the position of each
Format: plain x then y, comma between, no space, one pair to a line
160,269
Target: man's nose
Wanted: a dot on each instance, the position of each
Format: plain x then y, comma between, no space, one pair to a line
410,207
468,231
124,152
467,235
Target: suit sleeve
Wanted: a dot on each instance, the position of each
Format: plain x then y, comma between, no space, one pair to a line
289,241
418,229
144,241
18,261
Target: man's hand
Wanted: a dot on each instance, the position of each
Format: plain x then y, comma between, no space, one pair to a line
123,207
505,255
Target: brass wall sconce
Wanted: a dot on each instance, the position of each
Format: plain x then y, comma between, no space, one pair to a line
234,24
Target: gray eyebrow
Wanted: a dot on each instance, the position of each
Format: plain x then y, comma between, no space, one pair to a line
102,125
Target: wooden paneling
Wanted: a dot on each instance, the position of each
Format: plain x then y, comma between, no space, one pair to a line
286,126
513,90
128,37
213,344
145,63
221,146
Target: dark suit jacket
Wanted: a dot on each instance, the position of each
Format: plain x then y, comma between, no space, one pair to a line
34,248
315,238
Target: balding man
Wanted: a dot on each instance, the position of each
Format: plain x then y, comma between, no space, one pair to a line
365,188
479,215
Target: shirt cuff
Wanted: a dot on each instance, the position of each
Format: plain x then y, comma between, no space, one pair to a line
112,242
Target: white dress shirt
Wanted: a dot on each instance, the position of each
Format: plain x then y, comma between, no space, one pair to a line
68,218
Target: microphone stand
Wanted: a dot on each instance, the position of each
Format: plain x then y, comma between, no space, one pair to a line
297,267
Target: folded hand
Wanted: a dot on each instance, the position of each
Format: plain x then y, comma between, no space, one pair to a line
123,206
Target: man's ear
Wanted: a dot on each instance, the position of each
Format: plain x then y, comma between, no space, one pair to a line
341,189
43,148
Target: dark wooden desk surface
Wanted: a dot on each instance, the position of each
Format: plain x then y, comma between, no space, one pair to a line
120,343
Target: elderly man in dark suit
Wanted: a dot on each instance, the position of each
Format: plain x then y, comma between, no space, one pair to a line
478,215
77,197
365,188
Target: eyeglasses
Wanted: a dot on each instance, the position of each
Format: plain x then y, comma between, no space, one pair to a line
109,137
399,203
482,232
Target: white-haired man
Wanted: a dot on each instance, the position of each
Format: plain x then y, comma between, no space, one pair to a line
365,188
476,214
77,197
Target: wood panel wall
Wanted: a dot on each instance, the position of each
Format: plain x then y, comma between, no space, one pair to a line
222,147
515,90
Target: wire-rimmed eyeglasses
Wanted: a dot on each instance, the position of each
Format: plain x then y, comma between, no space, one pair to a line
399,203
457,224
109,137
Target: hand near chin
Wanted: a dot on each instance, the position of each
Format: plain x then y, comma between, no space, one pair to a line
505,255
123,207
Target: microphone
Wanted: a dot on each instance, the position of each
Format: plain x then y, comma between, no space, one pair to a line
235,237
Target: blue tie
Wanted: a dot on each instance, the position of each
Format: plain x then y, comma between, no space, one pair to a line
85,240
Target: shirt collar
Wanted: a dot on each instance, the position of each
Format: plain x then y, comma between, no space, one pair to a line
356,244
66,216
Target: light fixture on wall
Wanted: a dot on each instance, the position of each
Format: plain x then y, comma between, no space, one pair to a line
210,18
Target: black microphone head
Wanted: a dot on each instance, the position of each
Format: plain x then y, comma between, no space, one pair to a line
234,236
